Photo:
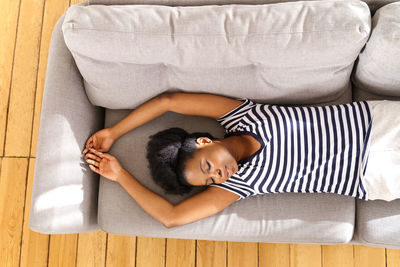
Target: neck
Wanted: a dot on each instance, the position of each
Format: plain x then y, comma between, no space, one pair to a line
236,145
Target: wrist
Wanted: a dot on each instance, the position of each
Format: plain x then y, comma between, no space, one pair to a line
122,176
113,133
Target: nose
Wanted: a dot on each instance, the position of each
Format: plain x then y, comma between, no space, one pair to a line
219,175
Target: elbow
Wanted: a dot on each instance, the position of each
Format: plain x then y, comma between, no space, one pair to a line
169,224
169,219
166,100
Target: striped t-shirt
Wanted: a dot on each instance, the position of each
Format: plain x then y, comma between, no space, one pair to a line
303,149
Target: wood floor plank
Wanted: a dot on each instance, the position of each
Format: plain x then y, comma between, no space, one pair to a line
337,255
8,27
393,257
274,255
35,246
305,255
150,252
121,251
242,254
12,198
369,256
211,253
74,2
62,250
181,252
91,249
22,92
54,9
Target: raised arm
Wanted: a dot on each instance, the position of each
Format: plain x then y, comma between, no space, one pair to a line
146,112
202,205
207,105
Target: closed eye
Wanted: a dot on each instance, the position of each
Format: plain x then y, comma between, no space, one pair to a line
209,168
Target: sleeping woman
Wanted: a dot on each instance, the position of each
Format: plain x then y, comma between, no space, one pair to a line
266,149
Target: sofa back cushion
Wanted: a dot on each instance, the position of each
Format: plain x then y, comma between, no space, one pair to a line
378,67
295,52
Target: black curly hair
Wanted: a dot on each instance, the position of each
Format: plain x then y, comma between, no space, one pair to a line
167,153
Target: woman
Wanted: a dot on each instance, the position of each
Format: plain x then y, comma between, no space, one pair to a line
266,149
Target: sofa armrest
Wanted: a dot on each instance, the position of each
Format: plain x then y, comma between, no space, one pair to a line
65,190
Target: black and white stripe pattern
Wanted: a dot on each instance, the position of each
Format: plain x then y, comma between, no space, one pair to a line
303,149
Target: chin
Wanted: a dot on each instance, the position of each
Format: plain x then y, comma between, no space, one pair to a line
235,167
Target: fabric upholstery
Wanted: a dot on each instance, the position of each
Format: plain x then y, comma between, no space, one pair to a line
378,67
372,4
377,223
377,220
65,190
288,217
299,52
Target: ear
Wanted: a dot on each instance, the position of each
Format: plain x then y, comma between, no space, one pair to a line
203,140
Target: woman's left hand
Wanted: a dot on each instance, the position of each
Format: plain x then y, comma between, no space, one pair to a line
104,164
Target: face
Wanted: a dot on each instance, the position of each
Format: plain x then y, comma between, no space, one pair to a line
212,163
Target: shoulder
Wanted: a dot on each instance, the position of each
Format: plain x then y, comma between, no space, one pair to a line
219,193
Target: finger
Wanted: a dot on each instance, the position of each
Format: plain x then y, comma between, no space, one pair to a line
93,162
101,155
96,170
89,141
90,155
88,144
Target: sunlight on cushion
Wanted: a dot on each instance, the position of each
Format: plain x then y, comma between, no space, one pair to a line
63,196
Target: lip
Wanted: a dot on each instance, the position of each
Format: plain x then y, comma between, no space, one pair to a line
228,172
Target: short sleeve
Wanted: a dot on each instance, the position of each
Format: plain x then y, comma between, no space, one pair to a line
231,119
231,189
235,185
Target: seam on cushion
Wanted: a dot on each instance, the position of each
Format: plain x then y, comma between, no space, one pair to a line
74,52
216,34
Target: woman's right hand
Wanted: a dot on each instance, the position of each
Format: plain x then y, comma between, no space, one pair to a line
100,141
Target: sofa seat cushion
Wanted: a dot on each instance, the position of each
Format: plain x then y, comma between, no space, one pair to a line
285,217
295,52
378,67
377,223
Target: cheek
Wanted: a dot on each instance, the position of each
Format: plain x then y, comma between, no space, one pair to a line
225,157
229,160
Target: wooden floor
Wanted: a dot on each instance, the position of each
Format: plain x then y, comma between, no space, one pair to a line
25,33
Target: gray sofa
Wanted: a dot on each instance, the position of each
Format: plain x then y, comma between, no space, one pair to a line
300,53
